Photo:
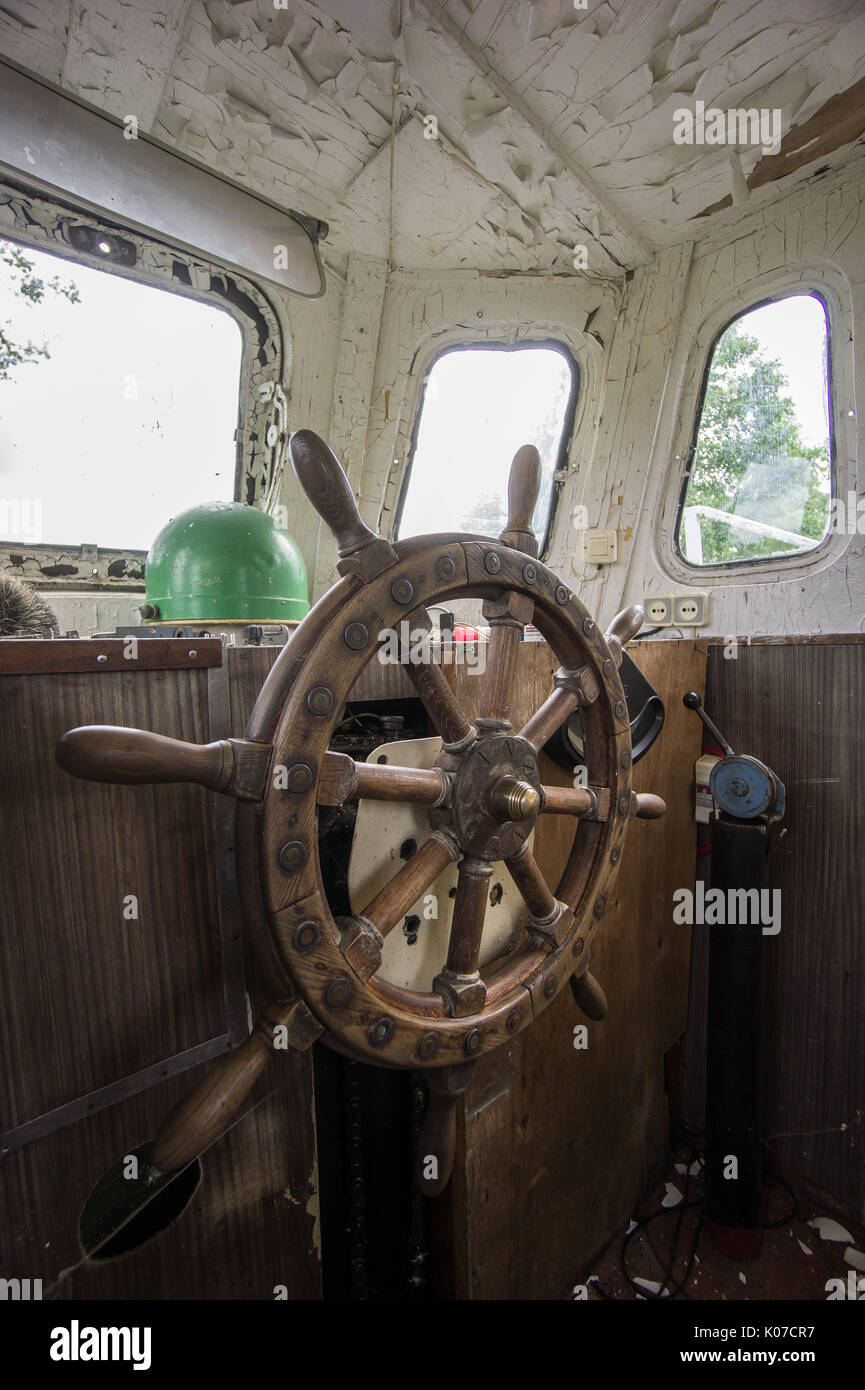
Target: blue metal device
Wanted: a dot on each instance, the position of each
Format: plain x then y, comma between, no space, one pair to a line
741,786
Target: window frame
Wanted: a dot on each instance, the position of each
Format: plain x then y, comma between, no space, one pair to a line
760,560
501,345
36,221
829,284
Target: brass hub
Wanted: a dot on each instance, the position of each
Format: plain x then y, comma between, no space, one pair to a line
512,798
495,797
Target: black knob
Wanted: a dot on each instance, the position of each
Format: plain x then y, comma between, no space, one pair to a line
693,701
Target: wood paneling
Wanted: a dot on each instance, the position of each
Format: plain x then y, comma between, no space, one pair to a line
88,997
800,707
251,1224
128,992
556,1144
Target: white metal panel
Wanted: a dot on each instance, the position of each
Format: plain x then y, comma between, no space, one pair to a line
381,830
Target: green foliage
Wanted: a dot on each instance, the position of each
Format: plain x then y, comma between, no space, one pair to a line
749,420
20,275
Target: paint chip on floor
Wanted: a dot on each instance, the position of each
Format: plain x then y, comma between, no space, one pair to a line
652,1287
827,1229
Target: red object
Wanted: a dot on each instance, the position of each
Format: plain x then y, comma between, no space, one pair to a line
736,1242
464,633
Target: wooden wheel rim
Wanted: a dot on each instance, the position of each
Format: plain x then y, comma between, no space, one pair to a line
370,1018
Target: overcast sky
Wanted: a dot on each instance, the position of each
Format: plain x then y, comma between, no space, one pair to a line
480,406
132,418
109,467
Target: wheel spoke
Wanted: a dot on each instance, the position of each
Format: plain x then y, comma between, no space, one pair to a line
342,779
551,715
423,868
534,890
507,616
499,676
470,908
594,803
441,703
570,801
572,688
459,981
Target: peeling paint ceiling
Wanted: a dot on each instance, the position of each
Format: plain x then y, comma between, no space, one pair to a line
553,125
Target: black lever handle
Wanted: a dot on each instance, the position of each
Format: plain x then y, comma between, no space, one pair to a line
693,701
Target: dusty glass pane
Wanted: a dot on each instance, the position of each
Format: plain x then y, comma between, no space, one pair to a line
759,485
118,404
479,406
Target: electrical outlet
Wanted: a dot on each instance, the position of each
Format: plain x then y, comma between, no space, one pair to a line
690,610
659,611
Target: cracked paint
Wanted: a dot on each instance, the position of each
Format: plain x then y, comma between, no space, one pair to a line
555,125
554,130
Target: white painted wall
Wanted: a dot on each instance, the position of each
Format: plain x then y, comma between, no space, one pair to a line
358,356
642,369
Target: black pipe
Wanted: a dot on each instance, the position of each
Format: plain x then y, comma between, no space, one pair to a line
732,1194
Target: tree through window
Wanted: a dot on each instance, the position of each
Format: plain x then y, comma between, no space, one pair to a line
759,485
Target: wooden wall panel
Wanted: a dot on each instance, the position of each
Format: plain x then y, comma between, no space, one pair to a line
129,992
800,707
251,1224
86,998
557,1144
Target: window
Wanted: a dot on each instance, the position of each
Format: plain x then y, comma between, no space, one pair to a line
479,405
118,403
759,484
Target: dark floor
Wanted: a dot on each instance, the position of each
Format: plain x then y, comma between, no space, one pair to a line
666,1253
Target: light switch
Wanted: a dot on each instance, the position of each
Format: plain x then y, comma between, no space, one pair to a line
600,547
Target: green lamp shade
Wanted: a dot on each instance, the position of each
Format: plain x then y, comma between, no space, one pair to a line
225,562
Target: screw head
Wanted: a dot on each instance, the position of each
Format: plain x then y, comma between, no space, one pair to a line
101,657
427,1047
356,636
609,668
600,905
473,1042
337,994
320,699
588,626
550,987
299,777
561,594
291,856
615,854
305,935
381,1033
578,946
530,573
513,1020
446,567
402,591
492,564
621,709
625,759
624,805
